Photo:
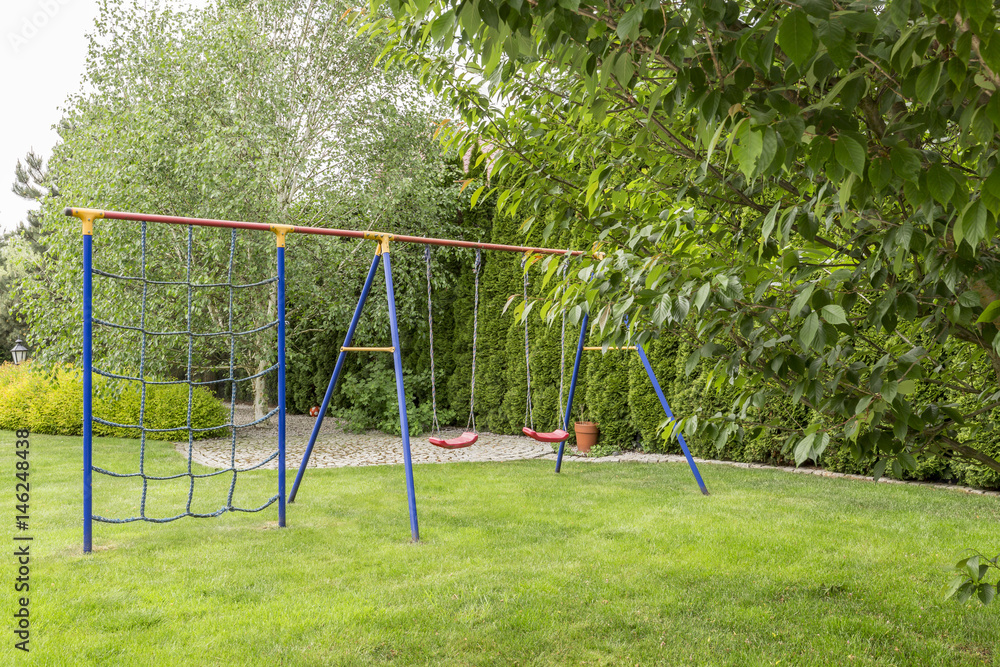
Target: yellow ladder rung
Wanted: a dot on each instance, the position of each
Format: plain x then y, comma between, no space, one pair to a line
367,349
592,349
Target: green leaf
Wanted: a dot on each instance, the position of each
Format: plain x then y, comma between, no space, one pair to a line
990,193
796,38
952,586
972,567
969,298
940,184
748,150
834,314
628,26
879,173
702,296
973,224
986,593
804,448
801,300
906,163
475,196
692,362
624,68
927,81
991,313
990,50
850,154
807,334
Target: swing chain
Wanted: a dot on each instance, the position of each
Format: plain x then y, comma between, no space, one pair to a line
430,332
529,416
562,349
475,329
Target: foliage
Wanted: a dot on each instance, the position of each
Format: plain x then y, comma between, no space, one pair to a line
972,579
53,403
266,111
807,194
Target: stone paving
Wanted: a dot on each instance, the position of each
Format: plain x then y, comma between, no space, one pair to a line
337,448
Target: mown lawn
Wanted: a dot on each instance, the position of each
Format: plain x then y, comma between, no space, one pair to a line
613,564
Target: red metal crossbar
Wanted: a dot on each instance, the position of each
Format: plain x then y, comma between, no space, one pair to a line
347,233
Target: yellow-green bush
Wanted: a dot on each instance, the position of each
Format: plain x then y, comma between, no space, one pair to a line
53,403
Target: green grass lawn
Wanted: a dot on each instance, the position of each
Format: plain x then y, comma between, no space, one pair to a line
612,564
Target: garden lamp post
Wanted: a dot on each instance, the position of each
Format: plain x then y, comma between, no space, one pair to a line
19,352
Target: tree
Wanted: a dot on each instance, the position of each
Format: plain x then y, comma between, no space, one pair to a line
242,110
805,192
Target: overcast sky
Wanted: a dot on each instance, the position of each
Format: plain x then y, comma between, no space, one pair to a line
43,47
42,53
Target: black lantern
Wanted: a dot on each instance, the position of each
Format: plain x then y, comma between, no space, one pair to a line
19,352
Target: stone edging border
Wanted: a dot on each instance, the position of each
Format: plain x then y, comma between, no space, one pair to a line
639,457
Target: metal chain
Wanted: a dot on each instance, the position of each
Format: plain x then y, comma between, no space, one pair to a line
562,354
475,329
529,417
430,332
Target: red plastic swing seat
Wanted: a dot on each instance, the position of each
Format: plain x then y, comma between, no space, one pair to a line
463,440
558,435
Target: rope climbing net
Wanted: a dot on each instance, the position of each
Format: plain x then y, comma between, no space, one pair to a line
192,358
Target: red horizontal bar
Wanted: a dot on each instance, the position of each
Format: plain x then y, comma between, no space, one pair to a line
347,233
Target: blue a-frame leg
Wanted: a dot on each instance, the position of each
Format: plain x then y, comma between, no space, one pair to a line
656,388
381,254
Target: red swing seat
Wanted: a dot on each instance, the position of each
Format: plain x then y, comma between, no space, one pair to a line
461,441
558,435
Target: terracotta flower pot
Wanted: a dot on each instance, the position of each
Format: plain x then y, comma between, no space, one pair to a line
586,435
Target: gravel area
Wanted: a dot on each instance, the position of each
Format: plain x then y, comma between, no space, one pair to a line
337,448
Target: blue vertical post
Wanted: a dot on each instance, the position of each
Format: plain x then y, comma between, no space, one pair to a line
397,359
281,379
572,383
670,415
333,378
88,463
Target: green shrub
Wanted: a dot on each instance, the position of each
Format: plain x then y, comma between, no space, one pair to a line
53,403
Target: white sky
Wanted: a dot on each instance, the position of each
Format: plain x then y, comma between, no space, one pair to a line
43,48
42,53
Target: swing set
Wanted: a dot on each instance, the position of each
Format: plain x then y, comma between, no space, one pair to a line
382,256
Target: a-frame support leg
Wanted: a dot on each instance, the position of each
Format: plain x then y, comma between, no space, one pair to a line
336,375
670,415
382,255
572,384
397,360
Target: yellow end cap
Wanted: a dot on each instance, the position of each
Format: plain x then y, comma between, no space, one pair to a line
280,231
87,217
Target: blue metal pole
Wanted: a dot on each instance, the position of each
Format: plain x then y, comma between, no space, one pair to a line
670,415
572,384
397,359
281,385
333,378
88,463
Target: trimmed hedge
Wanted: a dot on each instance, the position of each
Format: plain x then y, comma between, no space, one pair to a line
53,404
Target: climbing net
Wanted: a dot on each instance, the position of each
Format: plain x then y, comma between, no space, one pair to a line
186,381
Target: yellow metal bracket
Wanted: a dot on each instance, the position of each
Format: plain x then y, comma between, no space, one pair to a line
280,231
382,239
87,217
